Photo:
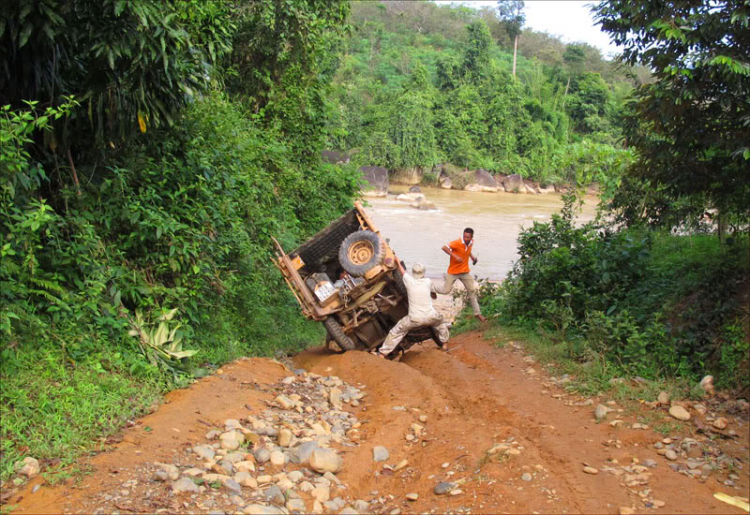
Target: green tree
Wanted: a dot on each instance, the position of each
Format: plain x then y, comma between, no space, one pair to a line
412,126
132,65
691,127
512,16
477,55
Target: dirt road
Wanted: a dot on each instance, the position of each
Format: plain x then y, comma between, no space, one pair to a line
504,433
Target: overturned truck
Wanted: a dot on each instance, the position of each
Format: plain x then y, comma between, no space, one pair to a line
348,278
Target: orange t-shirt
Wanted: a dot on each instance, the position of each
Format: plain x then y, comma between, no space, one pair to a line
464,252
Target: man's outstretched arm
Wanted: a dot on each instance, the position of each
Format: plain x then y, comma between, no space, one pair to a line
452,254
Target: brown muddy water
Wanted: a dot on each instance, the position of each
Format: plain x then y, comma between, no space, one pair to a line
497,219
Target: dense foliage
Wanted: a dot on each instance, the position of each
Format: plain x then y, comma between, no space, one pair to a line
648,303
149,151
422,84
652,291
690,128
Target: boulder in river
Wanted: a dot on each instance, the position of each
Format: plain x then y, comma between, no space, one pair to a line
485,180
375,181
514,184
411,175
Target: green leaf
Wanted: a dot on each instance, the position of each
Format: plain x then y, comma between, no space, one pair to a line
25,33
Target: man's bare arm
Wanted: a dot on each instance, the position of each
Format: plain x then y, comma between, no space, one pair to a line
448,251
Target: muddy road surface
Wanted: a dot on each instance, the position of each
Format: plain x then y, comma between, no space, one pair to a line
482,429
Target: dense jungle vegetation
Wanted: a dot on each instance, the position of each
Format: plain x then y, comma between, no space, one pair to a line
149,150
659,286
421,84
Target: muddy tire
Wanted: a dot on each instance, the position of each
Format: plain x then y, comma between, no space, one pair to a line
360,252
435,337
337,334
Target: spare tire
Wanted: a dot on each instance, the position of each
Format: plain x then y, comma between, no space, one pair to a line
360,252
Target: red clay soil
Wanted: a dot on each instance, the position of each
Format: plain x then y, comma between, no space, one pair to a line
474,397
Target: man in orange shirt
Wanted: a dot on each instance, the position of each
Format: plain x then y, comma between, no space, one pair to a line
460,251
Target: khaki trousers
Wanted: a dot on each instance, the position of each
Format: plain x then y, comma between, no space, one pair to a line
469,284
406,324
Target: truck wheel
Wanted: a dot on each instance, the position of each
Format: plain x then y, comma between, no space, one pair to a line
435,337
360,252
337,333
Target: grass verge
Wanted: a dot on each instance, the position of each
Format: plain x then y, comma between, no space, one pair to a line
56,410
593,376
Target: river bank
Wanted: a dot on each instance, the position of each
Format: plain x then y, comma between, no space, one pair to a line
418,235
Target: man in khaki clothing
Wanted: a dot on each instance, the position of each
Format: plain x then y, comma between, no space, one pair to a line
460,251
419,290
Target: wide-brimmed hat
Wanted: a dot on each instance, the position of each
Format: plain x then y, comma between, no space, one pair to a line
418,270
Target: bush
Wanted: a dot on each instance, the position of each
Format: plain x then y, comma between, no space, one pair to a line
653,304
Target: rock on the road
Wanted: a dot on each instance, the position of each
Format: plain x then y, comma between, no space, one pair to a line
444,487
205,452
325,460
720,423
185,484
380,453
679,412
601,412
259,509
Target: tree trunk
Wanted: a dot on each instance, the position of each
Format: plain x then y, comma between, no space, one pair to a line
515,52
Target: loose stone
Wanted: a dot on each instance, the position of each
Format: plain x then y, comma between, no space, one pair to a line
262,455
285,437
277,458
679,412
444,487
601,412
401,464
205,452
259,509
325,460
296,505
380,453
184,484
719,423
321,493
28,467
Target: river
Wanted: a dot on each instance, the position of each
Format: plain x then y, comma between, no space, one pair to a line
497,219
